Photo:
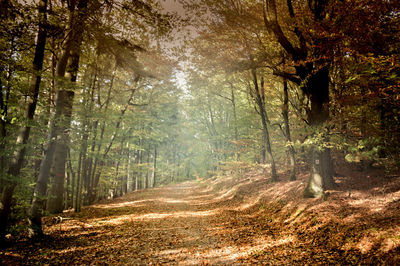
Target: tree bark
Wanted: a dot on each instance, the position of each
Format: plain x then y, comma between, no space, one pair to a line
44,172
148,167
128,187
118,162
87,128
56,191
60,156
78,194
321,173
72,175
140,174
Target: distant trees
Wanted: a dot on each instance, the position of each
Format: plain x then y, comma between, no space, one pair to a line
257,93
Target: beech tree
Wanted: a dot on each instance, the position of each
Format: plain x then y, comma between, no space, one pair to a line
313,45
312,75
17,160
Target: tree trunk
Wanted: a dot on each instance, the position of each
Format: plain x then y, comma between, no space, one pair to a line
118,162
233,100
23,134
260,101
155,167
87,128
173,163
77,205
60,156
108,148
285,114
5,12
67,191
44,172
321,173
313,78
91,193
136,172
148,167
140,174
72,174
56,191
128,187
61,120
91,167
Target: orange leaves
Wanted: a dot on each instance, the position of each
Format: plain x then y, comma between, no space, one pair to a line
268,224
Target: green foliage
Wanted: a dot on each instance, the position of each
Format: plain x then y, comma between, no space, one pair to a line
364,149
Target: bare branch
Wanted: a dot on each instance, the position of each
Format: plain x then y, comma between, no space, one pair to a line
222,96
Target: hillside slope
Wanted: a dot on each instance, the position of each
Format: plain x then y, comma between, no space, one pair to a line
230,220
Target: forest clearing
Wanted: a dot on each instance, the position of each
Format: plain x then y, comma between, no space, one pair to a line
229,220
199,132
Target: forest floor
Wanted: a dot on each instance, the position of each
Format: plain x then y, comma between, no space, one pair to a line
230,220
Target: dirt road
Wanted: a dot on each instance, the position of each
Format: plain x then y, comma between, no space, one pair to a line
179,224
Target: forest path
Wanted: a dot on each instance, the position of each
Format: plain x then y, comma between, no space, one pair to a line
177,224
165,225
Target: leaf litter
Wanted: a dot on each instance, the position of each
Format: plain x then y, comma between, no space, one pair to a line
229,220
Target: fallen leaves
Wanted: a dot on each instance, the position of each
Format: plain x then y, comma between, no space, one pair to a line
198,224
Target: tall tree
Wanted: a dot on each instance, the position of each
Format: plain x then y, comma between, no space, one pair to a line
61,120
258,94
285,115
23,134
312,75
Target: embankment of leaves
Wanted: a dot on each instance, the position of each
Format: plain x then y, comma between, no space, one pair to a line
357,222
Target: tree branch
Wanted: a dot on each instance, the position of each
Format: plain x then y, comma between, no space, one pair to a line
222,96
290,7
271,22
288,76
